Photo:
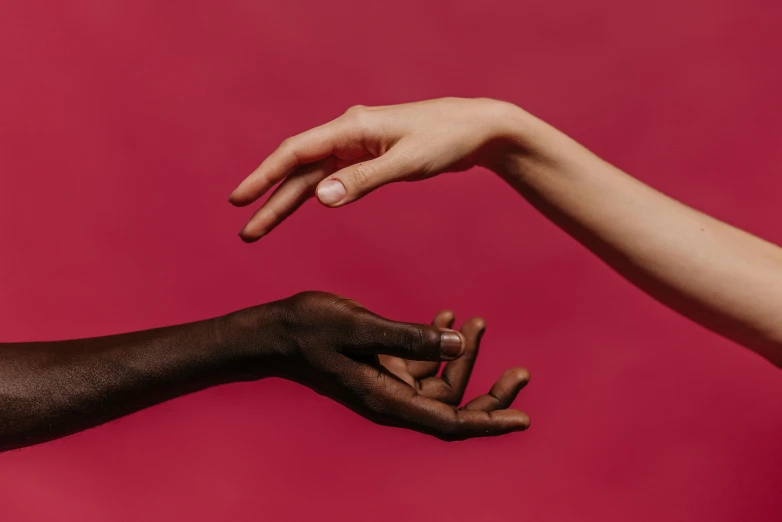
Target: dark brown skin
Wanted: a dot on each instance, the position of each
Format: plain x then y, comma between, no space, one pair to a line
381,369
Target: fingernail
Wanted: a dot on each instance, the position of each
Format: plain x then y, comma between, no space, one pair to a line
451,344
331,192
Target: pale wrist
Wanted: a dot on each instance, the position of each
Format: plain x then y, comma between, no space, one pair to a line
511,135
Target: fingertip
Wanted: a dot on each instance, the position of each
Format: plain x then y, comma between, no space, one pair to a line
523,421
237,197
474,329
476,324
444,319
518,374
238,202
249,238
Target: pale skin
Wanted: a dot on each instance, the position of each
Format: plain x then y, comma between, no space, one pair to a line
723,278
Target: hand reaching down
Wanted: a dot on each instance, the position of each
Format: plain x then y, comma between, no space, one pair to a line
368,147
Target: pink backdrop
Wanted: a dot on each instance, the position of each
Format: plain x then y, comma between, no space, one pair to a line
125,125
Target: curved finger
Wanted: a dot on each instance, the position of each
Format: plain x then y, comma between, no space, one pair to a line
307,147
449,388
457,373
503,393
289,196
422,369
383,398
451,424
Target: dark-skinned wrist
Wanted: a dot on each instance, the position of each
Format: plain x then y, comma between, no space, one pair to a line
256,339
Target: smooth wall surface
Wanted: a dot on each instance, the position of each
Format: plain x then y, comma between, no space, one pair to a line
124,126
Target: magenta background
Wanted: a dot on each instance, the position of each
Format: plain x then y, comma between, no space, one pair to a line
125,125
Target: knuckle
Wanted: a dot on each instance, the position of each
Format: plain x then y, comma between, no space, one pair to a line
355,108
309,296
358,116
363,173
411,341
288,146
271,216
303,185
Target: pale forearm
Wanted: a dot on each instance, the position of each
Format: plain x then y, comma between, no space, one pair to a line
723,278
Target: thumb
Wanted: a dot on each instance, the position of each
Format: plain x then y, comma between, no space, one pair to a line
356,181
411,341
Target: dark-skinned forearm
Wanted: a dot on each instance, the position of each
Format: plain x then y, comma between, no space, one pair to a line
51,389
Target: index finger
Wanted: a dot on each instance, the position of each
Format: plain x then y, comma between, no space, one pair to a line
307,147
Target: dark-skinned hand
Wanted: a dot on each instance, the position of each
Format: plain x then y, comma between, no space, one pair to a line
384,370
387,371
